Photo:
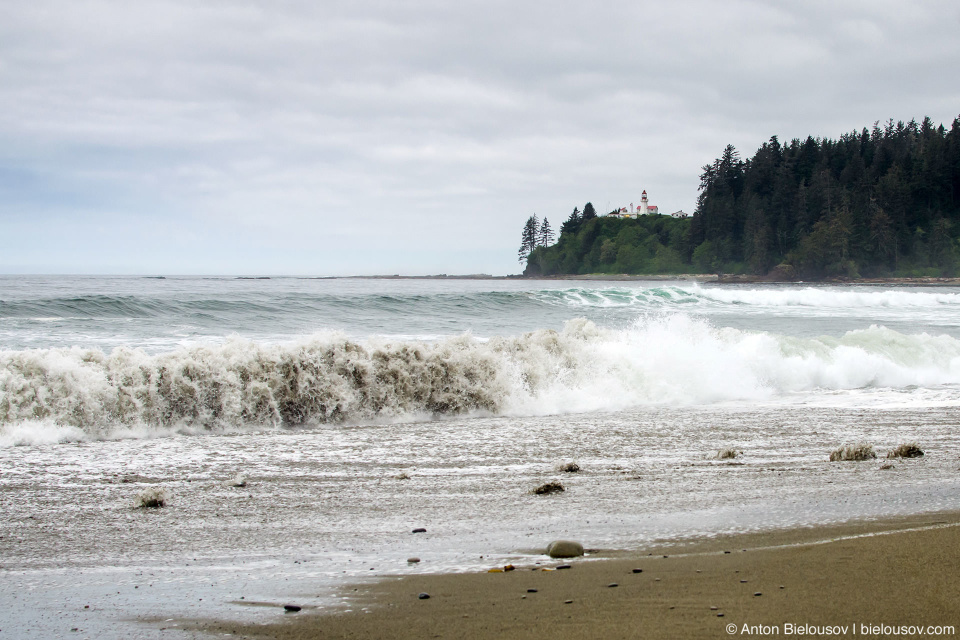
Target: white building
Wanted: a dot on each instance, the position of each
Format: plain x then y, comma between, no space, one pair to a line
644,209
680,214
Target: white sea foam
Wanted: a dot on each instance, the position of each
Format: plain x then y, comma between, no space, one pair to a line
830,297
669,359
695,294
38,432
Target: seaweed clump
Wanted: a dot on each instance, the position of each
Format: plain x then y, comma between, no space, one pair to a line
549,487
906,450
152,498
853,453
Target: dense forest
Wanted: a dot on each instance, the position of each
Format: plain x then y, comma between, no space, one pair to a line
879,202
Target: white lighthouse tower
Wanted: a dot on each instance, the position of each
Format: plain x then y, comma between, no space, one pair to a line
645,208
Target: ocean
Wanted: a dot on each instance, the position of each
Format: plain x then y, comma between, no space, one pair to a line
353,411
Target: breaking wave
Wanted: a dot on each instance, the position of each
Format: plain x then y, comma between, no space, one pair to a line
693,295
834,298
75,393
682,296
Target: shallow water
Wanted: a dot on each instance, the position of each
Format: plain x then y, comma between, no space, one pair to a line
325,507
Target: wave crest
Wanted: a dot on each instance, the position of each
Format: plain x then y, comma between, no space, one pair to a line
672,359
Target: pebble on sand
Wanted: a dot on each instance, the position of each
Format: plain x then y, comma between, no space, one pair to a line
292,608
424,596
564,549
612,584
413,560
638,570
419,530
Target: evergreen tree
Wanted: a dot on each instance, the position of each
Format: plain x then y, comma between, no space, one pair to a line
528,239
878,201
572,224
545,235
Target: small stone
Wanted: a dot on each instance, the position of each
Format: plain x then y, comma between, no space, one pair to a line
758,594
666,556
564,549
419,530
509,567
713,608
531,590
413,560
743,582
568,602
564,566
638,570
726,552
781,586
571,467
719,615
291,607
612,584
424,596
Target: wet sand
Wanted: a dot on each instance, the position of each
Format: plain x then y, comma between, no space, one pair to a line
847,580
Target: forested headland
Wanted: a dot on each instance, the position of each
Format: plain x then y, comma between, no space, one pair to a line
880,202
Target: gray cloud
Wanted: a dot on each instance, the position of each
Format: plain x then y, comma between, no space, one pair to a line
360,137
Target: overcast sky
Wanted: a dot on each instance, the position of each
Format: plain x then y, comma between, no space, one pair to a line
376,137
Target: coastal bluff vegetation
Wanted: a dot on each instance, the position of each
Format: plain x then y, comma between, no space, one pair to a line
881,202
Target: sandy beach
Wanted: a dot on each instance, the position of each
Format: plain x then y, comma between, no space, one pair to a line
891,578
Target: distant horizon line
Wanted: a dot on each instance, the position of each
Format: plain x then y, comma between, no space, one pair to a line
242,276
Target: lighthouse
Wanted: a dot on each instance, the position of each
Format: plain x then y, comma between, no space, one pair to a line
645,208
